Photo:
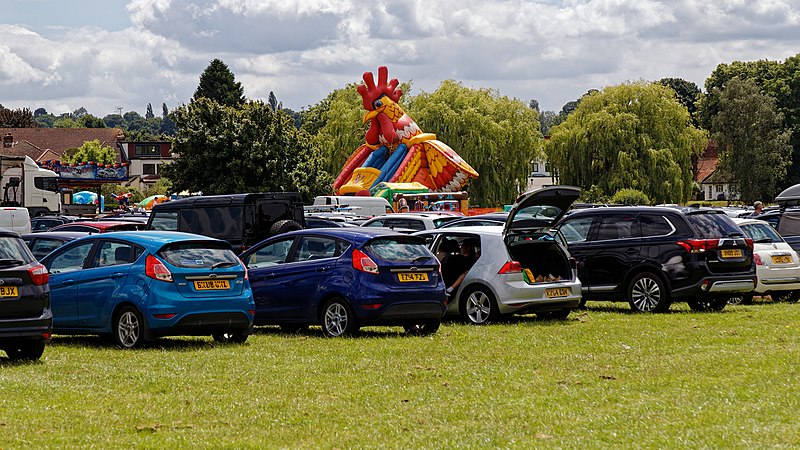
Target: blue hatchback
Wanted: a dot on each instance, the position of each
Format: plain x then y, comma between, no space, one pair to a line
345,278
135,286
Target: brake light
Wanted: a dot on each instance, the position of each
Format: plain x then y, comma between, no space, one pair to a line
749,243
511,267
246,273
573,263
362,262
164,316
39,275
758,260
698,245
156,269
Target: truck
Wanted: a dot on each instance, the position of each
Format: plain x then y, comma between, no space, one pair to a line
27,185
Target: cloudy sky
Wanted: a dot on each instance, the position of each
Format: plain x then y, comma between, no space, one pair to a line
109,54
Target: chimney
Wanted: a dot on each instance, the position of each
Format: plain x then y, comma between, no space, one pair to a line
8,140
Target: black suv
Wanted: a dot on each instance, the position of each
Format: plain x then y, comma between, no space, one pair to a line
650,256
25,316
241,219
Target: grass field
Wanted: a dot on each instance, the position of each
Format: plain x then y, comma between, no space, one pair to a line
602,378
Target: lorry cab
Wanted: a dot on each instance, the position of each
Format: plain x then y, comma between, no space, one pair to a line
25,184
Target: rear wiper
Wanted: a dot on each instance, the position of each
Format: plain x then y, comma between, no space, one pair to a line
224,264
10,262
763,241
421,258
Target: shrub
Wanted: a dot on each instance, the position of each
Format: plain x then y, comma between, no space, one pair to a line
630,197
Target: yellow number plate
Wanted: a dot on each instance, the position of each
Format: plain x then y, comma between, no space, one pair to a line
782,259
731,253
211,285
9,291
412,277
556,292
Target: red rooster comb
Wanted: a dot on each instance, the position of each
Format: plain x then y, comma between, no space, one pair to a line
370,91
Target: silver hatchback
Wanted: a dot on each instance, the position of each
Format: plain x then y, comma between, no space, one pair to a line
523,267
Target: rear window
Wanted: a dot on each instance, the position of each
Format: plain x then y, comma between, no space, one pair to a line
761,233
398,249
164,221
713,226
13,251
223,222
199,255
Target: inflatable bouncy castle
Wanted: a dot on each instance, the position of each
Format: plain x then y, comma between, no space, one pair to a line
396,150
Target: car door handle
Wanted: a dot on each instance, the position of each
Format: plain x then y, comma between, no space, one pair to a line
117,275
632,251
323,269
68,282
262,277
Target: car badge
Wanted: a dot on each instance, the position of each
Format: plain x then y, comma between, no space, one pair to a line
213,275
2,282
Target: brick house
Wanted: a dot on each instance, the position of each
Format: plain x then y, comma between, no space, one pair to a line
146,159
713,184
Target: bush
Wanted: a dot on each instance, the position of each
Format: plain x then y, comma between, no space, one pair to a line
593,195
630,197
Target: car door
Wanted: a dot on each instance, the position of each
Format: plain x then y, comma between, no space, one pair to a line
265,264
613,250
575,230
306,273
65,266
102,284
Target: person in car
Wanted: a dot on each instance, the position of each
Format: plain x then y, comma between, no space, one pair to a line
456,265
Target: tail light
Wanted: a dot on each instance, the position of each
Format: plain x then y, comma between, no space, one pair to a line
749,243
156,269
698,245
362,262
757,259
39,275
246,273
573,263
511,267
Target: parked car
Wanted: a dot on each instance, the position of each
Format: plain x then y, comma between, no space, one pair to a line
346,278
410,222
322,222
777,264
45,242
651,256
25,315
44,223
241,219
100,226
138,286
522,267
492,219
16,219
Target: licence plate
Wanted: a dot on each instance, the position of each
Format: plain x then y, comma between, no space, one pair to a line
556,292
782,259
732,253
9,291
406,277
211,285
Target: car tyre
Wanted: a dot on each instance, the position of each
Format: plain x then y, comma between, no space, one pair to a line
338,319
478,306
561,314
708,304
231,337
742,299
423,327
786,296
284,226
128,331
26,351
647,293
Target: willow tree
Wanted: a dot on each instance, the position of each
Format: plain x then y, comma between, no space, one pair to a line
635,135
496,135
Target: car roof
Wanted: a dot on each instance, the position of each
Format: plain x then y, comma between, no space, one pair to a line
100,224
65,235
225,200
491,230
154,237
747,221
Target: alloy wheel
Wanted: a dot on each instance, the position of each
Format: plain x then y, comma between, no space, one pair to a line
645,294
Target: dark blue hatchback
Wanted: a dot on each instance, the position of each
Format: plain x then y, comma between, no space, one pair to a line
346,278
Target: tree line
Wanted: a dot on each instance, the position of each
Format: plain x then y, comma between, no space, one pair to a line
638,139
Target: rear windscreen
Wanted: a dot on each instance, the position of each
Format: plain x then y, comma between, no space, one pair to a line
13,252
222,223
164,221
199,255
713,226
398,249
761,233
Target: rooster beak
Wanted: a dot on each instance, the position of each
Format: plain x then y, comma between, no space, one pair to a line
370,115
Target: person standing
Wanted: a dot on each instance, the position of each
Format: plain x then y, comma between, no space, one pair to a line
758,209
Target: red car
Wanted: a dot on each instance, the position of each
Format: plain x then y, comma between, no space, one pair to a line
101,226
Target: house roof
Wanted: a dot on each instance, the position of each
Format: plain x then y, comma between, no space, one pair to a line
42,144
707,163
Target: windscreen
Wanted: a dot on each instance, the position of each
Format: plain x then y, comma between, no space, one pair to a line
761,233
199,255
398,249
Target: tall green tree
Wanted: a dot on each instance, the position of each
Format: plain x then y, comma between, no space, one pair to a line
218,83
754,147
248,148
17,118
90,151
497,135
149,113
635,135
688,94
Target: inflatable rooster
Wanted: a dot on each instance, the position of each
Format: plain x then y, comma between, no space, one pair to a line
396,150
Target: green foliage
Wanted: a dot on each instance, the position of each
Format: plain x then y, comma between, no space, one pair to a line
249,148
66,122
217,83
630,197
593,195
497,135
634,135
161,187
110,190
687,92
754,147
90,121
90,151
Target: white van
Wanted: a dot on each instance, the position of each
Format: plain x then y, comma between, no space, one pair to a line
365,206
15,219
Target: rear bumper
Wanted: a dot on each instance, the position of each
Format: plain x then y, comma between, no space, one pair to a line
728,284
399,313
30,327
202,324
777,279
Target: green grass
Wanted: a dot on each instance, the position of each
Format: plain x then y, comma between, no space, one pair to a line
602,378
